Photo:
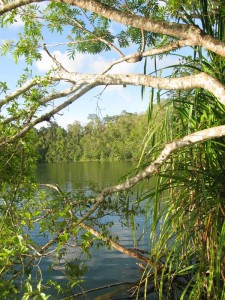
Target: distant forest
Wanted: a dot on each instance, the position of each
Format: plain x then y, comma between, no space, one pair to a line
111,138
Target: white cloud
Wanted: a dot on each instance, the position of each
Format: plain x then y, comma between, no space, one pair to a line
82,63
46,63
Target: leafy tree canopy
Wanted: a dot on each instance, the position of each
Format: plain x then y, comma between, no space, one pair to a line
183,150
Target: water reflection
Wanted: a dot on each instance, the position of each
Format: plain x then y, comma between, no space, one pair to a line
68,175
106,266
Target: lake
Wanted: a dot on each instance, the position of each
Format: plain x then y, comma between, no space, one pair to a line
106,266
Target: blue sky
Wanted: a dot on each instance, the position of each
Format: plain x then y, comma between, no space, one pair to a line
112,101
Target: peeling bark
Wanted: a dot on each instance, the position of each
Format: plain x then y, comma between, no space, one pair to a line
85,82
201,80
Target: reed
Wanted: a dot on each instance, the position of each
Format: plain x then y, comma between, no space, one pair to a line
188,203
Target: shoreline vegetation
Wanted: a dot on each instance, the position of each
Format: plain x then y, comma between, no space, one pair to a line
113,138
179,51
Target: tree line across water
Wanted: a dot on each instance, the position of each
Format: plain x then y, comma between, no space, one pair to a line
113,138
181,47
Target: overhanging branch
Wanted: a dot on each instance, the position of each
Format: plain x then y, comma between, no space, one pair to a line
201,80
83,90
85,82
154,167
183,31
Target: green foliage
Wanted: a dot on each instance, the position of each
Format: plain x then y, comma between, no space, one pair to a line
184,211
115,138
188,203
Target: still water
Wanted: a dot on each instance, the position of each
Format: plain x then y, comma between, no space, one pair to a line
107,266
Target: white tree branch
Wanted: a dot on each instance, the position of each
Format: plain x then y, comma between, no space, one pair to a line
44,101
116,245
160,50
85,82
154,167
188,32
183,31
48,115
25,87
16,4
201,80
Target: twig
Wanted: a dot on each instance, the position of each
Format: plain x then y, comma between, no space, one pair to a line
48,115
60,66
109,44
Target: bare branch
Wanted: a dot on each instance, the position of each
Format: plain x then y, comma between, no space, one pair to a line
55,61
116,245
71,43
61,94
201,80
155,51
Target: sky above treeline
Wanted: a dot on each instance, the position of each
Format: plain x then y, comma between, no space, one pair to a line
101,101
